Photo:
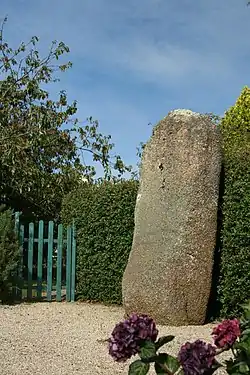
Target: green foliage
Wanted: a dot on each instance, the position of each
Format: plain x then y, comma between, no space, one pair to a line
9,252
240,364
197,357
235,254
104,217
42,143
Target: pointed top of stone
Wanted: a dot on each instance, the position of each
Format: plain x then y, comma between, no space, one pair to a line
184,112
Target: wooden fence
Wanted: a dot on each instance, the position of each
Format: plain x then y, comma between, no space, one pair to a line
48,260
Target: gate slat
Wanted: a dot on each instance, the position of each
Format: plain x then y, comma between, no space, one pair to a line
30,260
40,259
20,274
50,260
18,291
59,263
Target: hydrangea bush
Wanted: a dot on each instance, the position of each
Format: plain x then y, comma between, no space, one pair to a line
137,335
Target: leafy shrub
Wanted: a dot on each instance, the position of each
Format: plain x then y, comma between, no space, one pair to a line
104,219
234,285
9,253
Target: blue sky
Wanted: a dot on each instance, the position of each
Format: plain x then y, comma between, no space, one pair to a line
135,60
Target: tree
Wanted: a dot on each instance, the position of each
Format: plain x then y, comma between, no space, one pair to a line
42,143
214,118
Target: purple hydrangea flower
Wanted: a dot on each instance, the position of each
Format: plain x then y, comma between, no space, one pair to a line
127,335
196,357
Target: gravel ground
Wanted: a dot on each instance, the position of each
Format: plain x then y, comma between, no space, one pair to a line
67,339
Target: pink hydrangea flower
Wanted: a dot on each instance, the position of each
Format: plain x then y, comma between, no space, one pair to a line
226,333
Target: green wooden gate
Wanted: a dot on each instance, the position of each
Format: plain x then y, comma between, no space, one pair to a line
48,261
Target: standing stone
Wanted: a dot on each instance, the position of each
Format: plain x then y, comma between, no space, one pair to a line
169,271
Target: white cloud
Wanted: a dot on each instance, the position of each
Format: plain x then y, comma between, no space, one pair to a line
145,38
164,63
190,54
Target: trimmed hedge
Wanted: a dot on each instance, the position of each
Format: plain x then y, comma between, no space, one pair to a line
104,218
234,287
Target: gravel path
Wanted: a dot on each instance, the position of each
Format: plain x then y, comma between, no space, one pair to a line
67,339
